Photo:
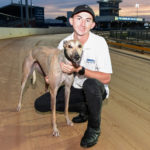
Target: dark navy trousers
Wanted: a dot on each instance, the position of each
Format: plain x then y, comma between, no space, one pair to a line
87,100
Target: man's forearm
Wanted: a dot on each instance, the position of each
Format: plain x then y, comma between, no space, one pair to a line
103,77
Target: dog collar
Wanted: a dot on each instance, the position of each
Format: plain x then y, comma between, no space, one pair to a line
66,55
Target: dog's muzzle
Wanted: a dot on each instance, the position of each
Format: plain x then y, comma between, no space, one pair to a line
75,58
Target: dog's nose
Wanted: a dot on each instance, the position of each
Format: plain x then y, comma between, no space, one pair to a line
76,56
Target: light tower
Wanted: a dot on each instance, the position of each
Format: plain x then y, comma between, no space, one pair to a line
27,12
137,7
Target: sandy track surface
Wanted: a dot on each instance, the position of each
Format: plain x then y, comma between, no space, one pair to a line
125,115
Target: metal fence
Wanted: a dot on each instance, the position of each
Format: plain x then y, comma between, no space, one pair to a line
131,35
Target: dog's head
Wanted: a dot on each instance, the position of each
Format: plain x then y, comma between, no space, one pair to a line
73,51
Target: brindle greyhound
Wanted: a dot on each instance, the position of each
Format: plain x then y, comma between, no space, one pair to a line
48,61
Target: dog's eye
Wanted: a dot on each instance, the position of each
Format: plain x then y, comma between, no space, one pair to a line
69,46
80,46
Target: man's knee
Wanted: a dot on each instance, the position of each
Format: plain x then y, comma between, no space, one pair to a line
93,86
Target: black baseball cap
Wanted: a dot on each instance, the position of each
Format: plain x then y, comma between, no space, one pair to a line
83,8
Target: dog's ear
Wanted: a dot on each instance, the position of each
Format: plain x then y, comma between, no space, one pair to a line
65,43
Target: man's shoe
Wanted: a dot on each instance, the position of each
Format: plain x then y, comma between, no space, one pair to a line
80,118
90,137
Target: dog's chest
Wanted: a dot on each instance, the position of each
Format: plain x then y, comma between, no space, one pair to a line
67,79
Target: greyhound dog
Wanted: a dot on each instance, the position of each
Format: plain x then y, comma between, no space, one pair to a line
47,61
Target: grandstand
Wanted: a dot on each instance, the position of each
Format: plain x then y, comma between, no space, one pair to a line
11,16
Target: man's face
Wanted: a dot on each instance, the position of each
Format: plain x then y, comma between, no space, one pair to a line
82,23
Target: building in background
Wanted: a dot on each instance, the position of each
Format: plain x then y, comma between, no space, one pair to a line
54,22
109,17
23,15
11,16
109,7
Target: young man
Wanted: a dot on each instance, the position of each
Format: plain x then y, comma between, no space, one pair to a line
90,85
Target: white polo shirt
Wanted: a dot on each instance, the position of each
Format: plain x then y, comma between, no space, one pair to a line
95,57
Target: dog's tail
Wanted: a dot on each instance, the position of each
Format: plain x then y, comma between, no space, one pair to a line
33,77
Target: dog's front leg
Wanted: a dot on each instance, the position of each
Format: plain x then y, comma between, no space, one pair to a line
53,108
67,96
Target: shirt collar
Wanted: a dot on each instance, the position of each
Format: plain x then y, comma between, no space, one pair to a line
87,42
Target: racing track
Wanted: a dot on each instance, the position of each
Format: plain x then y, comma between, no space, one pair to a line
125,115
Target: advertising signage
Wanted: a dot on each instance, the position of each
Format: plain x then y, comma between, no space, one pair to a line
128,18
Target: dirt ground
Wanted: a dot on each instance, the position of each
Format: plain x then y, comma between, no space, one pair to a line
125,115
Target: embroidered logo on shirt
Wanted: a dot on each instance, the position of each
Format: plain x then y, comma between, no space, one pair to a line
91,61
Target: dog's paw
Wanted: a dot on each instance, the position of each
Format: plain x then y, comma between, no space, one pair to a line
19,108
69,122
56,133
